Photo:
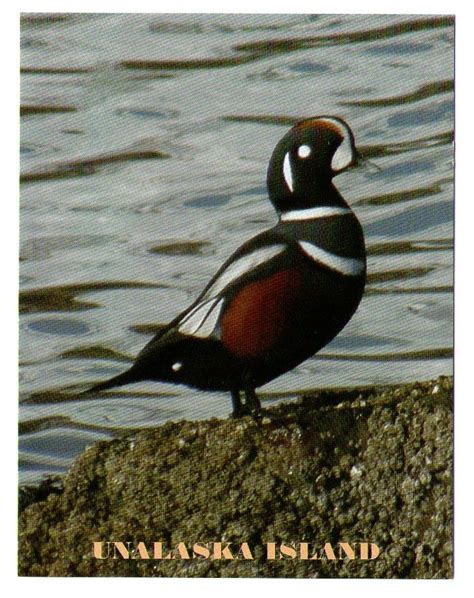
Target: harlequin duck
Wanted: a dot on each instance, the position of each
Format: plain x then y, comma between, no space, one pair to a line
284,294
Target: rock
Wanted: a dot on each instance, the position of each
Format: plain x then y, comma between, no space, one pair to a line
365,465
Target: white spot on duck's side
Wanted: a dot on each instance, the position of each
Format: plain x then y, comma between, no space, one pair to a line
287,173
344,265
344,155
304,151
176,366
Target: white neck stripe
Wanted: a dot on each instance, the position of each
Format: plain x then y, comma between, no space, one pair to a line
311,213
344,265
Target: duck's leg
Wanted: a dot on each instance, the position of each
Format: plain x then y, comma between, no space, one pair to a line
252,404
238,410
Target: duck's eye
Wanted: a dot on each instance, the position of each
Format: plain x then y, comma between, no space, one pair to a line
304,151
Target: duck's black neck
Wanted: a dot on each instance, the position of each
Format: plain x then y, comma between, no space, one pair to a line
321,194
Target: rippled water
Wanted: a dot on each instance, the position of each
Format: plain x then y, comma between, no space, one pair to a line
144,146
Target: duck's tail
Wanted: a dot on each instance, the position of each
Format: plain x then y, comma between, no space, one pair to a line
125,378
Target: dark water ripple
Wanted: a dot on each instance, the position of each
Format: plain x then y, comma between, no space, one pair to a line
64,297
356,37
413,220
426,115
424,91
87,166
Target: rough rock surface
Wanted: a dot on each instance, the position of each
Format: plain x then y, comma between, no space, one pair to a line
371,465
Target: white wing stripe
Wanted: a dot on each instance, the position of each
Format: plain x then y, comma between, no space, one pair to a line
244,265
193,311
202,319
311,213
210,321
199,318
345,265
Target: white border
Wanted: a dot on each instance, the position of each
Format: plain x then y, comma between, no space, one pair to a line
412,7
462,584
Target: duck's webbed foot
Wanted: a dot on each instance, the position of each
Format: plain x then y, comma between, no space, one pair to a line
251,406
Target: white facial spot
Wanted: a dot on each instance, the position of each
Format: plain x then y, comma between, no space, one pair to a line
287,172
344,154
304,151
176,366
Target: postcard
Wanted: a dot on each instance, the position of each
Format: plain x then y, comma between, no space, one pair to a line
236,295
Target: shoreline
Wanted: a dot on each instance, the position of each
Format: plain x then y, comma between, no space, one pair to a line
356,466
